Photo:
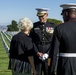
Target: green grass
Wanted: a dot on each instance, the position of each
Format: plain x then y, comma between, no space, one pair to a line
4,60
5,73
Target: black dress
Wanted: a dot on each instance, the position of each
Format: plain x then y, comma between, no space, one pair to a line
20,48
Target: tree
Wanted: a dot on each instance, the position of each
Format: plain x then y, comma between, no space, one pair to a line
13,26
57,22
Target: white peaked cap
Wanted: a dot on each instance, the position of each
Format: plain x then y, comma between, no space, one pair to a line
68,5
42,11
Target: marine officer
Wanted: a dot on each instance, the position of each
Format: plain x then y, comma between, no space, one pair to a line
42,36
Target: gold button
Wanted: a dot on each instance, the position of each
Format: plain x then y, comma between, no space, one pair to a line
42,34
43,25
43,38
43,29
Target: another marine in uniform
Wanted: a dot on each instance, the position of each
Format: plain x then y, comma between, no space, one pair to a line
64,42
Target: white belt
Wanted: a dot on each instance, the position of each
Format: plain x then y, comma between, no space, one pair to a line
67,54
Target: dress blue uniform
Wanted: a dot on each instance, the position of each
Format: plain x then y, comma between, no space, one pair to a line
64,43
42,36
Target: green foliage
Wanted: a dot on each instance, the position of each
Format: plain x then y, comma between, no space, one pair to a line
13,26
57,22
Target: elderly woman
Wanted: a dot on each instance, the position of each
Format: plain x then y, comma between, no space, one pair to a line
21,49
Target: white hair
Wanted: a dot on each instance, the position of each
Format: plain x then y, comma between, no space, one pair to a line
25,24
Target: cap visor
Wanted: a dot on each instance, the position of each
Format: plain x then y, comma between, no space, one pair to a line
40,14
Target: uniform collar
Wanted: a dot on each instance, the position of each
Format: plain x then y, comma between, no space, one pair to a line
43,23
72,19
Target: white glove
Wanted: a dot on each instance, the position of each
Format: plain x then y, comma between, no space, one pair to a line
44,57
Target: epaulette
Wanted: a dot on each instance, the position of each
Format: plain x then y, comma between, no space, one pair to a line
36,24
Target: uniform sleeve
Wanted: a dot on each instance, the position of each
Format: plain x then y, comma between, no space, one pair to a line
54,50
35,48
32,34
